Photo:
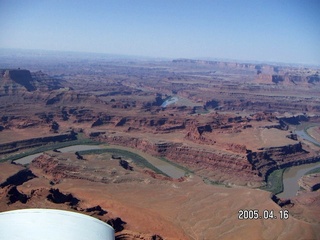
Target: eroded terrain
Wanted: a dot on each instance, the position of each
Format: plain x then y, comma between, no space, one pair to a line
228,126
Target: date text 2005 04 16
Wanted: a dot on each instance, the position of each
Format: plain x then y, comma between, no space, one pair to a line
266,214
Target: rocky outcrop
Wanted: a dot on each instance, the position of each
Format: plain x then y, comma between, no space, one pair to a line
57,197
54,99
96,210
281,125
54,127
22,77
294,120
125,165
293,136
266,160
44,82
57,167
117,224
96,133
13,195
228,65
59,97
14,81
18,178
315,187
212,104
286,78
150,124
310,182
282,202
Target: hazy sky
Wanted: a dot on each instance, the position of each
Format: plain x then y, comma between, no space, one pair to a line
264,30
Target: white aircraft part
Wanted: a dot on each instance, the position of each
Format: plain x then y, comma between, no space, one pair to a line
49,224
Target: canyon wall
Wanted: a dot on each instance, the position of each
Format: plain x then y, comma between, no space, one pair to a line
35,142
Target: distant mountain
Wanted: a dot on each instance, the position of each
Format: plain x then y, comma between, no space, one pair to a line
264,73
16,80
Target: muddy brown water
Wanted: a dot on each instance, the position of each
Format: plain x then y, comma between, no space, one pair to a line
293,174
291,177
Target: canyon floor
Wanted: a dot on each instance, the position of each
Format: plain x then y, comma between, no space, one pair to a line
230,128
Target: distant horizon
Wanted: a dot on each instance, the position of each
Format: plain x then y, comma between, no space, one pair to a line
150,58
284,31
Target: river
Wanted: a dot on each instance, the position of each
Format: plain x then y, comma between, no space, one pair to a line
164,166
74,148
293,174
169,101
304,135
291,177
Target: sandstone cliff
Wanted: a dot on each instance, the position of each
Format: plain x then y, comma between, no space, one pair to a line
13,81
